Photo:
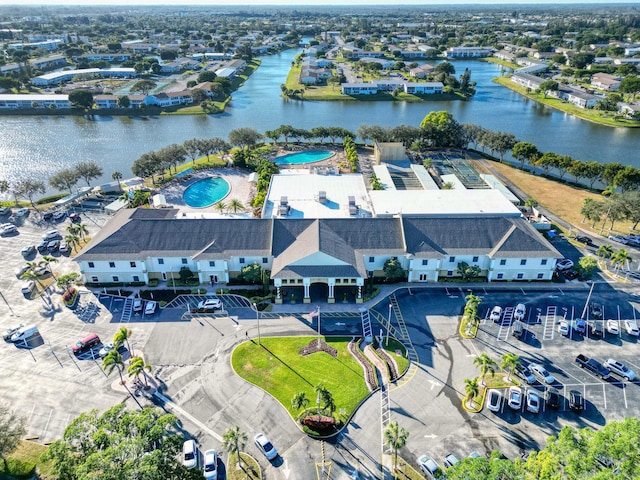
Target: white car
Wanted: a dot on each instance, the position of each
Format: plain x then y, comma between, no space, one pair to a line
618,238
620,369
515,398
265,446
22,270
429,467
209,304
494,400
450,460
541,372
104,351
190,454
150,307
51,235
21,212
563,328
137,304
533,401
631,327
520,312
564,264
210,467
496,313
613,327
8,228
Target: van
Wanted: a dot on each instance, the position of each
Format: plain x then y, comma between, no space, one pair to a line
25,333
85,344
518,329
520,312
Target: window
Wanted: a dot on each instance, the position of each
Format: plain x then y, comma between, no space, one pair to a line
299,280
91,265
540,276
241,259
265,260
452,259
503,262
184,261
212,263
520,276
132,264
450,273
371,259
543,261
425,262
423,277
161,261
112,264
94,279
115,278
475,259
136,278
523,261
284,281
500,276
353,280
338,280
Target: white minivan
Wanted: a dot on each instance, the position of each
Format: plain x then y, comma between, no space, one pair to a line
24,333
520,312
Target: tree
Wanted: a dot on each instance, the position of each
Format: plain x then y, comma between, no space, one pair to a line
65,179
440,129
620,258
486,364
525,152
72,240
494,468
99,444
233,441
592,210
192,148
137,367
630,85
503,142
144,86
610,171
47,260
12,429
468,272
206,76
221,206
124,101
252,273
471,389
67,280
593,172
88,171
121,337
236,205
548,86
29,188
117,176
82,98
393,270
586,266
509,361
113,361
395,437
244,137
604,251
299,401
581,60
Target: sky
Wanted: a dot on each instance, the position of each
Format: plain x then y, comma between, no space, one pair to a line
307,2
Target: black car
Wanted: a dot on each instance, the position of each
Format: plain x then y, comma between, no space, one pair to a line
552,397
575,401
595,311
42,246
583,239
53,245
571,275
75,217
47,216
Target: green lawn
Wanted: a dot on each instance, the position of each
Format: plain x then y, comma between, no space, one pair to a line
23,461
277,367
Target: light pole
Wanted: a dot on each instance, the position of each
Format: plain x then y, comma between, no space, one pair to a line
173,280
257,320
386,343
5,301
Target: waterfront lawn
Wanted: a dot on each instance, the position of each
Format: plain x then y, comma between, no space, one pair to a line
277,367
563,200
596,116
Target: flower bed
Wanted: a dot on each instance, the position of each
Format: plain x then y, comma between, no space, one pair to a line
369,372
71,297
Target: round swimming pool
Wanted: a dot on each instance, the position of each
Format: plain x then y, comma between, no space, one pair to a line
206,192
304,157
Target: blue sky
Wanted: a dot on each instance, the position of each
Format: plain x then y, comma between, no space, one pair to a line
302,2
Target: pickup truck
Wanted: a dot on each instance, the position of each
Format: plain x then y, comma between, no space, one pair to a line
593,366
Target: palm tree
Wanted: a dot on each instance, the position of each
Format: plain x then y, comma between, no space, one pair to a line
326,397
395,437
604,251
221,206
73,241
509,361
82,230
299,401
137,367
620,257
31,275
472,389
112,361
233,441
122,336
117,176
486,364
47,260
236,205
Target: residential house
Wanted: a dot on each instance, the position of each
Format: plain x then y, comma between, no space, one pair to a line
422,71
359,89
170,99
579,98
527,80
424,88
605,81
106,101
21,101
55,78
629,110
468,52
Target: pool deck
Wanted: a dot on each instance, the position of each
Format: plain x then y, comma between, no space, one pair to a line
239,188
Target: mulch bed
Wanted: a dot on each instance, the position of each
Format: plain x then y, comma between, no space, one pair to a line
315,346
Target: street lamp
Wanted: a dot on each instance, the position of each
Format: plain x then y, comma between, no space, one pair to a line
7,303
388,326
257,320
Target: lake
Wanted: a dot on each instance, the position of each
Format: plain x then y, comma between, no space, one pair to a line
38,146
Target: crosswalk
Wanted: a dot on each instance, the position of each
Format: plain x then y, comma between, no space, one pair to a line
549,323
505,324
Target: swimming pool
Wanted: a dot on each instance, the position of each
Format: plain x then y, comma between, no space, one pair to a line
304,157
206,192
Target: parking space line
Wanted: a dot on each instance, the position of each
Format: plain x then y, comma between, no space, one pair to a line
46,425
624,395
604,395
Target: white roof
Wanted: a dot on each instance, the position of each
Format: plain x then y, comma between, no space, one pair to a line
302,192
51,97
442,203
494,183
